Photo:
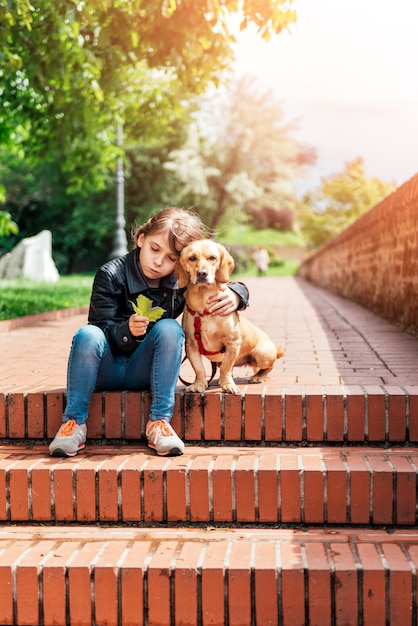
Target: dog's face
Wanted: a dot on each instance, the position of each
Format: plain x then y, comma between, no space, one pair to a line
204,262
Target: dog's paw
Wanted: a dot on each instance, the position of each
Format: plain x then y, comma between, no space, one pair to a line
197,387
231,388
260,375
256,379
227,384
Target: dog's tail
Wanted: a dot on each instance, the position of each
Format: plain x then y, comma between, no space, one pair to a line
280,352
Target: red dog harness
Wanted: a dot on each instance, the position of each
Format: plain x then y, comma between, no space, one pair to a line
198,337
197,332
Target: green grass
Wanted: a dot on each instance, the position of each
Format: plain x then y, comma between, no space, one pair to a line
24,297
242,237
285,268
245,235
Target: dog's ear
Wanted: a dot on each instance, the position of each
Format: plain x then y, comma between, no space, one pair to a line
181,273
226,265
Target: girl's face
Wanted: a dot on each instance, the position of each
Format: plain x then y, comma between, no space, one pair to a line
157,258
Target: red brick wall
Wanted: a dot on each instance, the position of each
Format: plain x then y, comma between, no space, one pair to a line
375,260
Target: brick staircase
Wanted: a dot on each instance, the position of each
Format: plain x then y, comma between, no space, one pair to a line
290,506
294,504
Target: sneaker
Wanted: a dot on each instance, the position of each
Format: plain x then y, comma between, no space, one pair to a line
162,438
70,439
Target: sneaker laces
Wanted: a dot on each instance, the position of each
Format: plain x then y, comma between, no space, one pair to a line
68,428
162,427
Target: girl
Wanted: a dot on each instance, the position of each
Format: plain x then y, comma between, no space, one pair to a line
119,349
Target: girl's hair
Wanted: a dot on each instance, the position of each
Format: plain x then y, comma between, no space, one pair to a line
181,226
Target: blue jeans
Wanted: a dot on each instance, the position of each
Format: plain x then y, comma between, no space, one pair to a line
154,365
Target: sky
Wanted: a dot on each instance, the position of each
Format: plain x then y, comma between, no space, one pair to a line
347,71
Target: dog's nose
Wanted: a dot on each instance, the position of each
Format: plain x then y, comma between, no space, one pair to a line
202,275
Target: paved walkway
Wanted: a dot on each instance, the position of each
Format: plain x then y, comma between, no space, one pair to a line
327,340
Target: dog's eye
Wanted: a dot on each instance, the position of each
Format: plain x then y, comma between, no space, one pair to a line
212,258
193,257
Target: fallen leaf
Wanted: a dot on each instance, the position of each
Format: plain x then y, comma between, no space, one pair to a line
143,307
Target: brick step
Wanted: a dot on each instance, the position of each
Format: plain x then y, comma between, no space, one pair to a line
244,485
110,576
273,413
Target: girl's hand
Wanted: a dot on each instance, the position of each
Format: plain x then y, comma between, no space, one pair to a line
225,302
138,325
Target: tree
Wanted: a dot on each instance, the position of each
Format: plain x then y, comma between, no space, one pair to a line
240,156
82,219
71,71
340,200
37,200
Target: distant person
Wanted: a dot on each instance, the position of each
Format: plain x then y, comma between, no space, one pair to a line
262,260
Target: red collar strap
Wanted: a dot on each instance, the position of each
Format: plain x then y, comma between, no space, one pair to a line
197,333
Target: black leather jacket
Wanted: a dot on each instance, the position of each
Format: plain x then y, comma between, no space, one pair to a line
118,283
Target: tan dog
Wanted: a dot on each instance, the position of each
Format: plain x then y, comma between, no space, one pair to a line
227,340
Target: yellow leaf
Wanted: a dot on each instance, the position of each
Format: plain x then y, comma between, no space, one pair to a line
143,307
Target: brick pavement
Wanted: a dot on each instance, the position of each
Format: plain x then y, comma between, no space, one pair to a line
327,340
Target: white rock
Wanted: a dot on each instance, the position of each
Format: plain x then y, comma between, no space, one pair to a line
31,258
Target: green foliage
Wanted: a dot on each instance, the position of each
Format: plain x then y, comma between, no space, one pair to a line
240,156
40,194
7,225
247,235
71,72
23,297
342,198
148,185
82,226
